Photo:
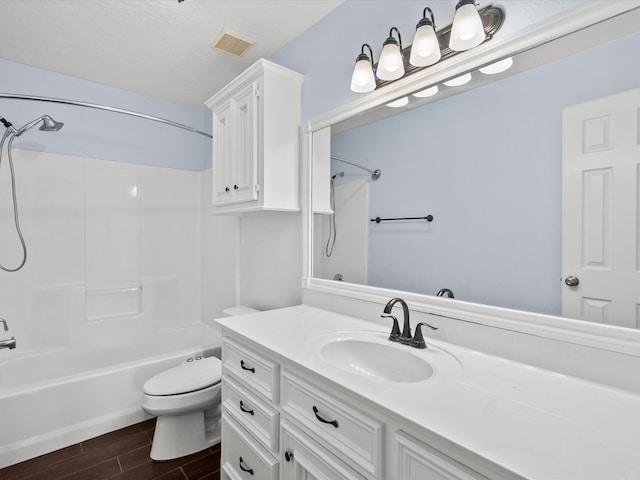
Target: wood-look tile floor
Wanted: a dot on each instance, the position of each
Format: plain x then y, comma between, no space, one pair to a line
119,455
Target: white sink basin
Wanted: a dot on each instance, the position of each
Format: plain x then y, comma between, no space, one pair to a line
375,360
370,355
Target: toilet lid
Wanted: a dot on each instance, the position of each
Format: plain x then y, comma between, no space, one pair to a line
187,377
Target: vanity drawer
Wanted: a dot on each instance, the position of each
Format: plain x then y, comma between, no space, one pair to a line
352,436
258,418
259,372
242,458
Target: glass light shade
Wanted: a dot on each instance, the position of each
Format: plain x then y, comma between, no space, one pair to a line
362,80
467,30
401,102
497,67
390,65
457,81
425,50
427,92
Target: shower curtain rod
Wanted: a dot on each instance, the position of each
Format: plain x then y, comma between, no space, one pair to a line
375,174
106,108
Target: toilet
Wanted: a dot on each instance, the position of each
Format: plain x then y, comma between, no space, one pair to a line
186,400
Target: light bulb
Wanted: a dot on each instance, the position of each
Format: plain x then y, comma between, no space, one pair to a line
425,50
497,67
427,92
391,63
401,102
363,80
467,30
457,81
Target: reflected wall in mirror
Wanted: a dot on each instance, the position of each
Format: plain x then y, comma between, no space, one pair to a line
487,164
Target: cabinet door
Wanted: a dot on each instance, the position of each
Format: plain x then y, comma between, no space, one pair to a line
222,184
245,164
417,461
306,460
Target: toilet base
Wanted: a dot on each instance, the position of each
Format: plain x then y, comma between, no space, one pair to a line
180,435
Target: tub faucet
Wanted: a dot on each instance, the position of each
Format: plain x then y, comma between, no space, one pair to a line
9,343
405,337
3,321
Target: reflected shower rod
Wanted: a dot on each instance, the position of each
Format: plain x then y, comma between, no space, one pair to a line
105,108
375,174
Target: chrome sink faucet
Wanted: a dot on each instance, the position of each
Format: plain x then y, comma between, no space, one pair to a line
405,336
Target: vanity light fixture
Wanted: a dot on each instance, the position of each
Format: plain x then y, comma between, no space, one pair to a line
497,67
471,27
363,80
425,50
457,81
401,102
427,92
391,63
467,30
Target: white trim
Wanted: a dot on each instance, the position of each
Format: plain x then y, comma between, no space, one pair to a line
604,337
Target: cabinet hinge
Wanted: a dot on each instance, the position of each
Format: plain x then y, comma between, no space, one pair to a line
256,91
256,187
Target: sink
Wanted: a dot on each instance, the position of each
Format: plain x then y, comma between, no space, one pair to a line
375,360
369,356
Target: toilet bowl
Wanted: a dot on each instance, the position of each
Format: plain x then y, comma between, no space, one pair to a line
186,400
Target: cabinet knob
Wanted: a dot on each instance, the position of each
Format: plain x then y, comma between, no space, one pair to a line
226,189
288,456
235,187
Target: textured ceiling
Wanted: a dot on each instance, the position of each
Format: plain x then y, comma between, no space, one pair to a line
154,47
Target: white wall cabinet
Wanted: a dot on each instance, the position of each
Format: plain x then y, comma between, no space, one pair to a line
256,121
280,423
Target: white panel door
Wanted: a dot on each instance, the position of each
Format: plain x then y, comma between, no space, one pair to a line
600,251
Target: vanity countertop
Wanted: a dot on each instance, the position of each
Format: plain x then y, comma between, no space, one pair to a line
534,422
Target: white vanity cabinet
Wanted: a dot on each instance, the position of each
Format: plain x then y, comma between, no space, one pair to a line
256,119
281,421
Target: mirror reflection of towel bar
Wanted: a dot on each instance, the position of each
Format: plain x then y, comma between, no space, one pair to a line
428,218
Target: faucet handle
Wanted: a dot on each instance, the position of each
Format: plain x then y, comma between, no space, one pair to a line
6,327
395,331
418,339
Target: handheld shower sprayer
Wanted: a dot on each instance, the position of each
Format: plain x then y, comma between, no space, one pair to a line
48,125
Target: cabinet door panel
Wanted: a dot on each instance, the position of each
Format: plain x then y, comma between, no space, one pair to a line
306,460
223,157
246,143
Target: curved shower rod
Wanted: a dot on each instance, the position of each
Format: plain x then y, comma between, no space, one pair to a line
106,108
375,174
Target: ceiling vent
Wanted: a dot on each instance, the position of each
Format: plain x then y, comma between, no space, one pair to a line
232,43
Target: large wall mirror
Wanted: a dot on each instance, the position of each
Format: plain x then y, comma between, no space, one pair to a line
485,160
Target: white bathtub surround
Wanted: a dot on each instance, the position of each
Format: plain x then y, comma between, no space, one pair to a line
115,263
529,421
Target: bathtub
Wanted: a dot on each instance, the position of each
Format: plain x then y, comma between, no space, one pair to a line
53,398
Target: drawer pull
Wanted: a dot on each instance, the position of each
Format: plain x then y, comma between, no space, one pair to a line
244,367
245,469
288,456
330,422
245,410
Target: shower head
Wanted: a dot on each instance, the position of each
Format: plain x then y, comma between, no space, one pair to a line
48,125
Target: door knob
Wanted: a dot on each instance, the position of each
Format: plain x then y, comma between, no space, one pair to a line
572,281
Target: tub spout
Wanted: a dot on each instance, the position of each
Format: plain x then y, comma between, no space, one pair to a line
9,343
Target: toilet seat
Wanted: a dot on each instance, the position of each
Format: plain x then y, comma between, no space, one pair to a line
190,376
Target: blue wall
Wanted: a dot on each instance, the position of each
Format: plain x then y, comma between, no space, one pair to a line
487,165
104,135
